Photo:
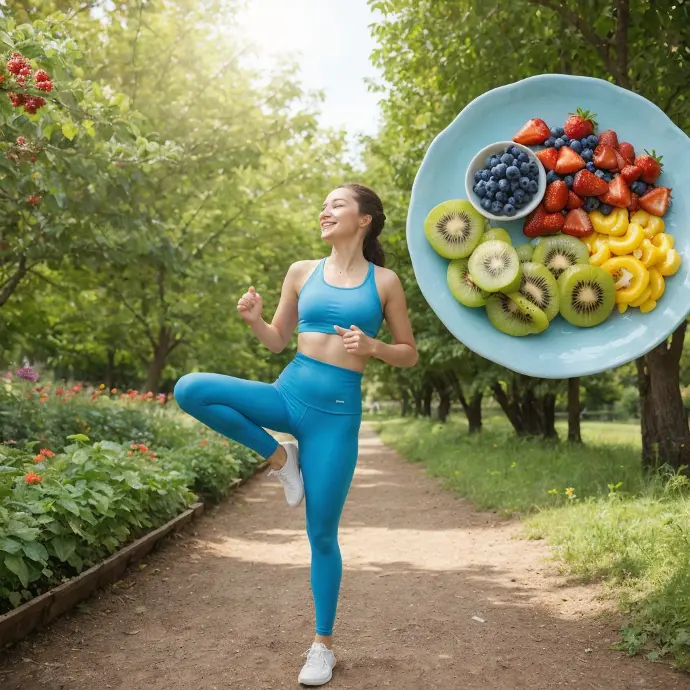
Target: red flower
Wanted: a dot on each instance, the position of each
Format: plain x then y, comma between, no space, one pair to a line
41,75
46,86
46,453
59,391
134,446
76,388
204,443
21,141
16,98
32,478
34,200
129,452
38,458
143,448
153,455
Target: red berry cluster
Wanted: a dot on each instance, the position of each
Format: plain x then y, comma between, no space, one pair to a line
34,200
20,67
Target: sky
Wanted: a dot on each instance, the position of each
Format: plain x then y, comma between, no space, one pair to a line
331,42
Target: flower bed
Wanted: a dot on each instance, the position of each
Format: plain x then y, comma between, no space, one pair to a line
130,464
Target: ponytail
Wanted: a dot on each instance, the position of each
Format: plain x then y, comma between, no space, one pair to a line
370,204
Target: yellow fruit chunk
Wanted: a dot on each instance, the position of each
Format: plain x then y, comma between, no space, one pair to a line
601,251
657,283
641,217
628,243
590,241
648,306
644,297
648,254
671,263
631,277
622,307
654,226
615,224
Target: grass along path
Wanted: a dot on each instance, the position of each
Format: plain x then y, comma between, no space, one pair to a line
594,506
228,605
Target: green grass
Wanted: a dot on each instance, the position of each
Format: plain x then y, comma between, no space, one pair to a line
618,526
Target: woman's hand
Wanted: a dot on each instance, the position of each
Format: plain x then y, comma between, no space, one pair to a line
250,305
356,342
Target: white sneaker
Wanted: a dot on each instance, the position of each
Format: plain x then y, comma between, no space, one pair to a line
290,476
319,667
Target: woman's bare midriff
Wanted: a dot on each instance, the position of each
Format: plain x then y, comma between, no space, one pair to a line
329,349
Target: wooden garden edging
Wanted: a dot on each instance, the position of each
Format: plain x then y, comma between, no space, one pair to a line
42,610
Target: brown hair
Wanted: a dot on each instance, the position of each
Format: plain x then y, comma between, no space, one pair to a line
370,205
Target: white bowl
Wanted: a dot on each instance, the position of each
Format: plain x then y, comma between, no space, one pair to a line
478,163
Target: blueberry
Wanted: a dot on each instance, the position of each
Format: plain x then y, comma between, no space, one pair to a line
486,203
512,173
523,157
519,196
528,198
592,140
533,187
492,186
549,142
559,143
496,207
501,196
587,154
504,185
514,185
509,210
478,176
599,173
514,151
480,191
605,209
501,170
512,201
566,139
534,168
493,161
560,131
524,168
638,187
591,204
486,175
552,176
569,179
576,146
608,177
507,158
490,194
585,142
591,167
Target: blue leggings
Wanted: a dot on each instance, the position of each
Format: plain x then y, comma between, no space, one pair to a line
321,406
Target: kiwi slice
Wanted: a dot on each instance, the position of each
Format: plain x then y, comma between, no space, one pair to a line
453,228
560,252
496,234
494,266
587,295
461,285
539,287
514,314
524,252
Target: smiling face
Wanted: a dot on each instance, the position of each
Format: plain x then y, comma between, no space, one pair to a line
340,217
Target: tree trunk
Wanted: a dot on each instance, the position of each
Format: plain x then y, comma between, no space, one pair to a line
426,399
165,344
548,407
11,285
418,402
509,406
474,412
574,411
444,401
110,369
665,431
404,403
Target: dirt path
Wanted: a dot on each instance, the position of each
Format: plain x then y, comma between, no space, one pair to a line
228,606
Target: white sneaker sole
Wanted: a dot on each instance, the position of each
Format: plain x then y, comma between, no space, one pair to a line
314,683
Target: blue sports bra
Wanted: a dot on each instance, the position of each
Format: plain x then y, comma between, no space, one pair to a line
321,306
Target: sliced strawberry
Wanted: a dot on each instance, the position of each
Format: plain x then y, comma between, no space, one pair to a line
539,222
588,184
635,203
627,151
577,223
555,196
548,158
605,157
630,173
574,201
568,161
620,162
534,131
619,194
580,124
656,200
609,138
651,166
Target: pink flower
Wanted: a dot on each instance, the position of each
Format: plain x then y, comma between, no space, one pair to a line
27,373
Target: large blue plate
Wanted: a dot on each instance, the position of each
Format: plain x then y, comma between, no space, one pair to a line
562,351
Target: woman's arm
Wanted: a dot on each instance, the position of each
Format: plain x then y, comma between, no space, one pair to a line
403,351
276,335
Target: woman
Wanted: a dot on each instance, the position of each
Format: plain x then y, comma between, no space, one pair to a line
338,305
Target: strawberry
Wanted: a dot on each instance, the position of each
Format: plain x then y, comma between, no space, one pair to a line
539,222
577,223
635,203
609,138
548,158
534,131
555,196
568,161
651,166
620,162
627,151
630,173
656,200
588,184
619,194
574,201
605,157
580,124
